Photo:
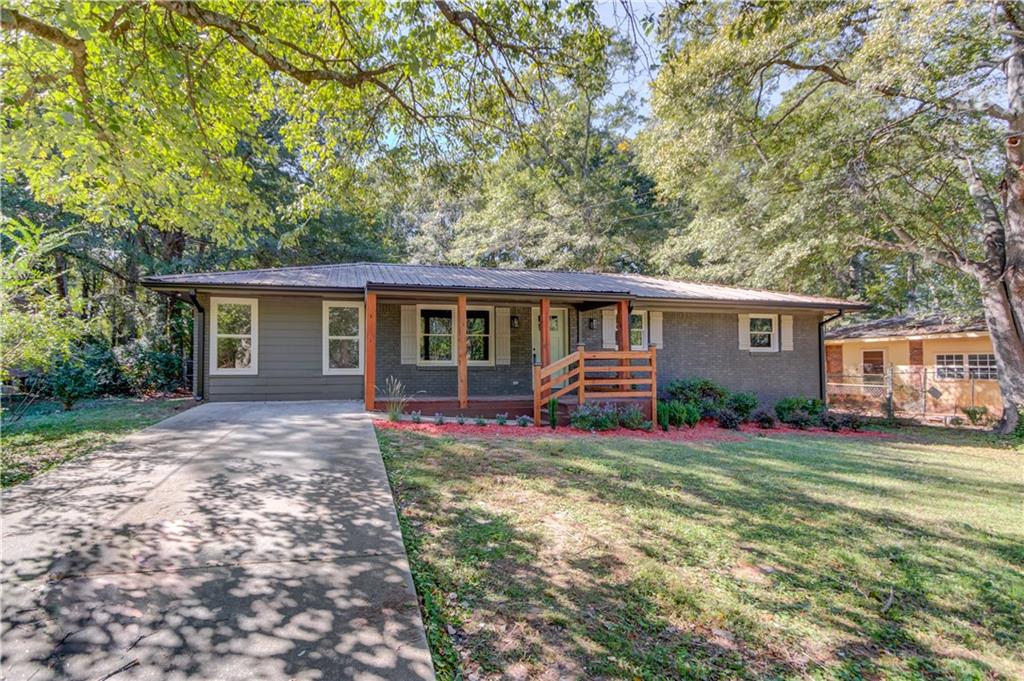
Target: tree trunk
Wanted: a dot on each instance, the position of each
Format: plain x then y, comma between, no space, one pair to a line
1008,349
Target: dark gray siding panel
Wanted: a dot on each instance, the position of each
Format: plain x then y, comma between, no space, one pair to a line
290,357
706,345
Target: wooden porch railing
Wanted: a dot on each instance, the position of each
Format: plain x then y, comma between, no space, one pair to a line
598,375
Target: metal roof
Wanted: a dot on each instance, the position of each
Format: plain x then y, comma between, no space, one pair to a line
360,276
908,325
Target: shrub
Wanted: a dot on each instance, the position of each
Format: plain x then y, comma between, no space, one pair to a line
595,417
149,367
439,418
480,421
800,419
417,417
727,418
553,413
832,422
956,421
502,418
742,403
976,415
663,419
460,419
764,418
853,422
787,406
69,380
633,418
697,390
106,369
683,414
397,399
523,420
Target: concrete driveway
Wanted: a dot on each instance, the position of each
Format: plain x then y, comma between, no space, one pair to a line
231,541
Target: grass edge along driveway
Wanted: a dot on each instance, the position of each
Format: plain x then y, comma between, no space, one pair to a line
786,557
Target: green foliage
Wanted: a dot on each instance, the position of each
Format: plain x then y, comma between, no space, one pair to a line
788,408
697,390
396,398
553,413
633,418
460,419
595,417
683,413
438,419
149,367
832,421
743,403
480,421
69,379
523,420
976,415
853,422
501,419
416,416
664,419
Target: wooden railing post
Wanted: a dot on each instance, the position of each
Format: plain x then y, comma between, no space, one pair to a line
654,385
582,378
536,393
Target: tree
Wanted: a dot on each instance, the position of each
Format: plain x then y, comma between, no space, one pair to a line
152,110
808,134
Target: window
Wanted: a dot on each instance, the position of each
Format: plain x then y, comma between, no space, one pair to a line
343,329
638,330
478,335
982,366
234,336
437,342
873,366
949,366
762,333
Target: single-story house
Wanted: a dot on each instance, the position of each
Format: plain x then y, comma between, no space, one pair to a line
936,364
464,336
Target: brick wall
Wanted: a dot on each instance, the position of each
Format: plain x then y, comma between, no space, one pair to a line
834,360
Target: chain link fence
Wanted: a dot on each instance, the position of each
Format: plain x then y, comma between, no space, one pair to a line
922,392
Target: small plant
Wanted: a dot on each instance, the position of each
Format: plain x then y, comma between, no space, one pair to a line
976,415
663,418
683,413
595,417
523,420
699,391
417,417
70,380
764,419
787,407
396,397
800,419
633,418
743,403
501,418
460,419
727,418
832,422
853,422
956,421
439,419
480,421
553,413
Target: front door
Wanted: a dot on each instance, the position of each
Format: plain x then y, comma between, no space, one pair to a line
559,325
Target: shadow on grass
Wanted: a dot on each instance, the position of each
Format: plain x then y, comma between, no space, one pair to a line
884,584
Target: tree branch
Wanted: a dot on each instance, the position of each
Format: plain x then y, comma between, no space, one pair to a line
993,233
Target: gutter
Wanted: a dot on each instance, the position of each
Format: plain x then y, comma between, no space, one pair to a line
822,375
198,344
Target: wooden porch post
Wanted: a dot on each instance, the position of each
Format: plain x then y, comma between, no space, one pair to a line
463,353
370,353
654,385
622,317
581,392
545,332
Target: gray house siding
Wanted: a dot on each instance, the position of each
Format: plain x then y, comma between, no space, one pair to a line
697,344
706,345
290,361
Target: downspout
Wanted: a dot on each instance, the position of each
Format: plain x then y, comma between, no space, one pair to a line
198,343
822,376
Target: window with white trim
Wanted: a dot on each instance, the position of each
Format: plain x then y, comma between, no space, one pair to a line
638,330
950,366
763,333
234,336
436,335
982,366
343,333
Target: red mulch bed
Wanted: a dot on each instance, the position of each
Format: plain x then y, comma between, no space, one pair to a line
705,431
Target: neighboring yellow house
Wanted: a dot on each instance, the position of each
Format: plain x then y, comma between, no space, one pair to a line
934,366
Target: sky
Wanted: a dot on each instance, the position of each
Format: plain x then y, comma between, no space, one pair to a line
638,77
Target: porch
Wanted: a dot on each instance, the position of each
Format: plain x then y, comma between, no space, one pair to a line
490,355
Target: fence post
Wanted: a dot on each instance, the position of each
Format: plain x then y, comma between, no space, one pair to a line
924,393
581,379
890,411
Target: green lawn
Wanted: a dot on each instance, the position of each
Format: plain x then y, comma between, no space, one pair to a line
46,436
804,556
